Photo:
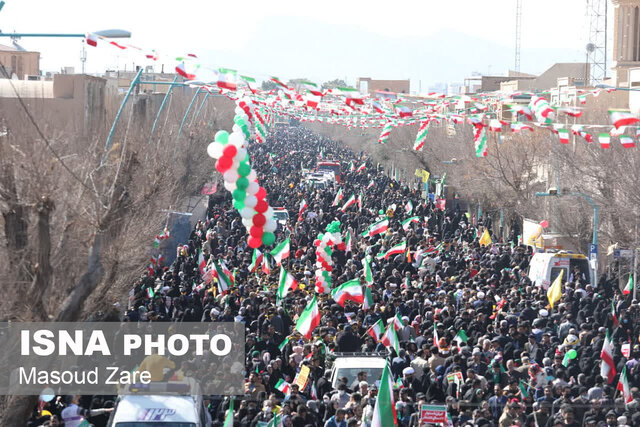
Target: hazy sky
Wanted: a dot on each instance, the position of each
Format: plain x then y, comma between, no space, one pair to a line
320,40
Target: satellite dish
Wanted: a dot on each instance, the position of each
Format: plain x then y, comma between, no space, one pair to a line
591,47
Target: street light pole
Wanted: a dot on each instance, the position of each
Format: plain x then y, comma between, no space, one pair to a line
596,222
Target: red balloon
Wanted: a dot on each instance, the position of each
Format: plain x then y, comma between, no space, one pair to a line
225,163
262,193
342,246
254,242
230,151
316,242
259,220
261,206
256,232
220,166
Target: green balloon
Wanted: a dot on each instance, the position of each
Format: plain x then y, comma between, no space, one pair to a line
237,119
381,212
268,238
239,194
572,354
242,183
222,136
238,204
244,169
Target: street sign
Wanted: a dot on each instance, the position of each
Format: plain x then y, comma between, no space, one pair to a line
623,253
593,252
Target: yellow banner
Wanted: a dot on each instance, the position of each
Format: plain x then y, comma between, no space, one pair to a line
302,377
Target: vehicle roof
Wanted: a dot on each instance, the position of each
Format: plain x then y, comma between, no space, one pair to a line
134,408
546,255
280,209
360,362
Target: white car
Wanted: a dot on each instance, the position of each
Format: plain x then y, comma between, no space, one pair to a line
349,366
160,411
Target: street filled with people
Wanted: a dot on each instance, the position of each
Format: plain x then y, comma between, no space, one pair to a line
436,292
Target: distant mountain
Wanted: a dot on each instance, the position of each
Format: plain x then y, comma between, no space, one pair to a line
295,47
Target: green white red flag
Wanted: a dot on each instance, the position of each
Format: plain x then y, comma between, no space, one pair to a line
281,252
256,260
348,291
623,386
286,283
376,330
390,338
384,411
309,319
376,228
406,224
607,366
629,286
351,201
368,275
622,118
367,304
394,250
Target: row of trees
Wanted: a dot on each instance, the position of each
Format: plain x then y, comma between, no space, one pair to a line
520,164
78,219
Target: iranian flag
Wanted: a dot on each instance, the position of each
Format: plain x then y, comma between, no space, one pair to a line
629,287
91,39
347,241
408,207
276,421
348,291
604,139
384,412
180,69
519,127
406,224
280,252
283,387
377,228
266,265
371,184
564,136
202,263
368,275
312,101
397,322
279,82
627,141
228,421
286,283
348,203
390,338
256,260
367,304
495,125
386,132
376,330
311,87
352,95
461,337
337,198
614,315
223,278
607,367
227,79
303,207
622,118
623,386
352,167
251,83
394,250
360,200
361,167
309,319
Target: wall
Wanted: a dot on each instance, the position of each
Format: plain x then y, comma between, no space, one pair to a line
21,63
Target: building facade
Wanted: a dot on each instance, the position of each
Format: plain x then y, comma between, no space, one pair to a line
626,39
19,62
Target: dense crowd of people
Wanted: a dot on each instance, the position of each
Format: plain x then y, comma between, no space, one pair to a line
509,367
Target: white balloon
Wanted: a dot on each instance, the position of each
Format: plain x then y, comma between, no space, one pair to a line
270,225
214,150
250,201
237,138
240,155
230,186
235,129
269,213
235,165
230,176
247,222
253,187
252,176
247,212
239,110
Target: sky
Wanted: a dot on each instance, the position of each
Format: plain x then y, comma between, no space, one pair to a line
426,40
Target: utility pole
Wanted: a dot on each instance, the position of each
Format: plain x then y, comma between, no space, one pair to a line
597,46
518,30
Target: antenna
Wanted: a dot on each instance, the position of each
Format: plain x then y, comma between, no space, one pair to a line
518,30
597,46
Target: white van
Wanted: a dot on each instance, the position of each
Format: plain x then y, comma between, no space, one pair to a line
165,409
348,365
546,266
